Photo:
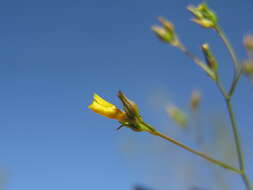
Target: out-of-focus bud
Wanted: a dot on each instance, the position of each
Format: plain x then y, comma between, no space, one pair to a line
209,57
177,115
166,33
203,16
162,34
248,42
166,24
247,67
195,100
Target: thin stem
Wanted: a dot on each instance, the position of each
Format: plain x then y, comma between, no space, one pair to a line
204,156
190,55
237,67
228,96
228,45
196,60
220,86
235,132
235,81
246,181
238,143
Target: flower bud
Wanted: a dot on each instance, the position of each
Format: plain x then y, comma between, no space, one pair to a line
130,107
203,16
248,42
133,118
177,116
247,67
166,33
195,100
210,59
166,24
162,34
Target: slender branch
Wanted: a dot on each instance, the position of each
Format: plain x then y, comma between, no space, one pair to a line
235,132
204,156
235,81
238,143
228,96
190,55
228,46
220,86
237,67
196,60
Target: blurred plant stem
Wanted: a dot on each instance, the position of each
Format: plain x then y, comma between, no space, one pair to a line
227,96
237,67
197,61
231,51
206,157
235,134
238,144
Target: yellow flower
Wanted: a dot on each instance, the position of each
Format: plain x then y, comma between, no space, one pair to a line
104,108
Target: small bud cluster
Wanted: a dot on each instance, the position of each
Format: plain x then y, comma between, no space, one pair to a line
203,16
166,32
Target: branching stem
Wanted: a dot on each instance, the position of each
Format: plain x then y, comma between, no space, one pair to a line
228,96
201,154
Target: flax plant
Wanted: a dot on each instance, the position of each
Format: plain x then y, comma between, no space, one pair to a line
130,116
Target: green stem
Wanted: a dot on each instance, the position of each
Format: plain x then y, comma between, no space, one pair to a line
237,143
228,96
237,67
235,81
220,86
204,156
196,60
228,45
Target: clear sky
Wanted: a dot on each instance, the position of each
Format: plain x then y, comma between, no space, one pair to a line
56,53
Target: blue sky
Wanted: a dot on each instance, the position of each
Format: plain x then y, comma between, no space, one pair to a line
56,54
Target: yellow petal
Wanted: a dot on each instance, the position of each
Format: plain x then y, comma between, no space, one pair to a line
101,101
104,108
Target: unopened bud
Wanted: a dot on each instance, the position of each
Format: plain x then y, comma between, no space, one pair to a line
162,34
247,67
177,116
195,100
133,118
210,59
130,107
166,33
248,42
166,24
203,16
